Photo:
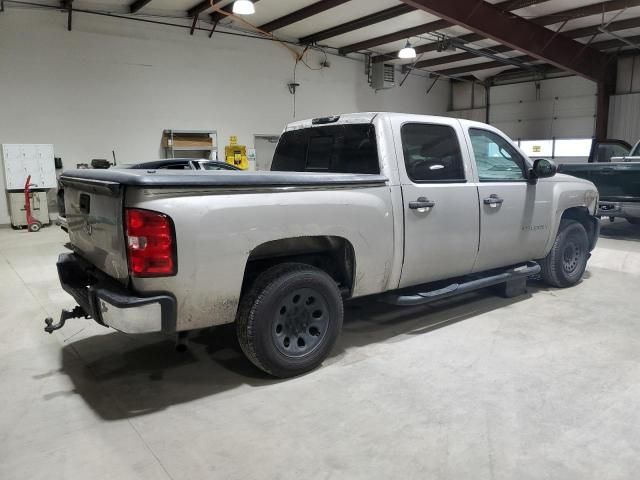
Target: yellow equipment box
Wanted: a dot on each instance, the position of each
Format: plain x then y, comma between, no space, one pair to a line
235,154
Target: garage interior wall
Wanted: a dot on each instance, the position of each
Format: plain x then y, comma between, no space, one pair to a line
624,113
557,107
116,85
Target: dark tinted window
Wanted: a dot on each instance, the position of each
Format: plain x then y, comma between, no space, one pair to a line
608,150
319,153
331,148
176,166
432,153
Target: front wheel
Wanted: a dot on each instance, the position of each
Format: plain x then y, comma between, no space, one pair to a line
565,264
290,319
634,221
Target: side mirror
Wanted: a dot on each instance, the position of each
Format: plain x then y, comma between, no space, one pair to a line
542,168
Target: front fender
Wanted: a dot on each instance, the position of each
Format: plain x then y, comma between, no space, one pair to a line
573,198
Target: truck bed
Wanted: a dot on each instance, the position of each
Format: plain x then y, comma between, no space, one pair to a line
616,181
113,178
95,199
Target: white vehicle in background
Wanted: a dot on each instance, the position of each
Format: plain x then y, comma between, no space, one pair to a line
418,208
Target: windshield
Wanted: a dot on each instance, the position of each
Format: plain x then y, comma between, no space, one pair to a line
350,148
636,151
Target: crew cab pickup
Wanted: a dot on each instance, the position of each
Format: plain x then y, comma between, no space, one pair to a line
614,168
408,208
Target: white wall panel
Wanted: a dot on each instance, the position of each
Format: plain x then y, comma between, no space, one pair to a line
559,107
115,85
624,111
624,117
468,95
628,79
476,114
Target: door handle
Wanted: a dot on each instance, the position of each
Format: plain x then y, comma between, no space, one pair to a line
493,201
421,204
607,171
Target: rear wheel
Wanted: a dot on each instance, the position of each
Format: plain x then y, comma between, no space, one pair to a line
565,264
290,319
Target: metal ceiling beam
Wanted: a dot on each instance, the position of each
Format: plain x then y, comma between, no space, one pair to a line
201,7
535,40
457,71
614,26
475,67
358,23
298,15
388,14
394,37
581,12
137,5
427,28
558,17
608,6
458,57
217,16
577,33
615,43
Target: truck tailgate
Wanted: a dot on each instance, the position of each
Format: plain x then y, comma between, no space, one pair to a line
94,210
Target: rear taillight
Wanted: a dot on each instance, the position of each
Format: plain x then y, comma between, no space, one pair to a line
150,243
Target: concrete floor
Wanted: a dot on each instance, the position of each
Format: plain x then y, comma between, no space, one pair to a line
543,386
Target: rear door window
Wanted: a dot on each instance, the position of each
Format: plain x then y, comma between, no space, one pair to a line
432,153
332,148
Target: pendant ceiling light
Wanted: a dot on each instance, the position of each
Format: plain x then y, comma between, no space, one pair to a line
243,7
407,52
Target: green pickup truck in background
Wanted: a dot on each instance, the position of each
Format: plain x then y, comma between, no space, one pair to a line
614,167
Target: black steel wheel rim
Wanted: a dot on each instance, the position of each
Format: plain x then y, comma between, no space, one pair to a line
300,323
571,256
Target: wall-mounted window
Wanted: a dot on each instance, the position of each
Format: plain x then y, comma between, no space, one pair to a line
575,148
579,147
537,148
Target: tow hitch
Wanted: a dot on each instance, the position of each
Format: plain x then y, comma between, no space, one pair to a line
65,315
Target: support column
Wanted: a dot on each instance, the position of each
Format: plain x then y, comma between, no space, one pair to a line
606,88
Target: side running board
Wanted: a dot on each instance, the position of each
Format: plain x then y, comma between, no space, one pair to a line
512,275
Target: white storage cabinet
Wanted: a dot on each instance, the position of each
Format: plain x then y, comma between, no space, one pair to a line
20,160
39,208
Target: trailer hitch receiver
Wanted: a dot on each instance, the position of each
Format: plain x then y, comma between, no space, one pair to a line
65,315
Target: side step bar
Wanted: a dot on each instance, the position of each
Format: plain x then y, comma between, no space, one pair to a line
512,275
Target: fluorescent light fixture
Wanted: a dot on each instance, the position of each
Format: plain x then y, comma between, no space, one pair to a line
243,7
407,52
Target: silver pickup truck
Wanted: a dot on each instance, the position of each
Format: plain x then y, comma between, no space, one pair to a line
416,208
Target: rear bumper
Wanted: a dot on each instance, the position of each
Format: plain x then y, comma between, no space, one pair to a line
110,303
619,209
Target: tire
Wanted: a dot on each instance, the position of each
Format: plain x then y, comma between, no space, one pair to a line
565,264
289,319
35,227
634,221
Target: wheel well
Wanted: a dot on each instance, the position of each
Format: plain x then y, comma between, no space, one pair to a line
334,255
581,214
